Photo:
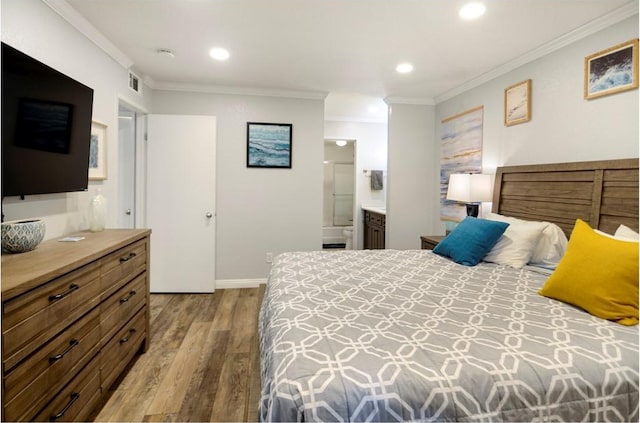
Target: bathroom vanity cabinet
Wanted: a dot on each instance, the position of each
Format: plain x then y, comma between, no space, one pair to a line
374,227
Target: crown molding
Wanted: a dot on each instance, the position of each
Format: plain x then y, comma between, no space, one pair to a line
221,89
598,24
68,13
410,100
356,119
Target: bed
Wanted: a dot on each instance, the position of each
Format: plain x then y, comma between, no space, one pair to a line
387,335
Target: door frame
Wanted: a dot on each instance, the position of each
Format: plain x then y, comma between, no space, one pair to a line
126,167
140,160
357,217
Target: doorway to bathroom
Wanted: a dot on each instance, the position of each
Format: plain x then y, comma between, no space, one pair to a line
338,194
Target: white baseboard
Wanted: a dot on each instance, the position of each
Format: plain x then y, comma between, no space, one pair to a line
239,283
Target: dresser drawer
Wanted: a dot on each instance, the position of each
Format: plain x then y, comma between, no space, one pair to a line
33,318
121,266
77,399
33,382
120,307
115,356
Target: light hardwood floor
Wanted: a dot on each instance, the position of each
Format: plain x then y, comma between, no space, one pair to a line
202,363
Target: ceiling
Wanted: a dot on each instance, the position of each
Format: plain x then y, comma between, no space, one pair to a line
315,47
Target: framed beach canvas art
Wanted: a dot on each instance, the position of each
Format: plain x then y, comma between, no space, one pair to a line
612,70
461,152
98,152
269,145
517,103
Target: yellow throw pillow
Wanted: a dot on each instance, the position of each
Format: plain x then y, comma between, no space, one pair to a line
598,274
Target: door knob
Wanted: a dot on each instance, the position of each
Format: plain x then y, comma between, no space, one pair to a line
209,215
127,212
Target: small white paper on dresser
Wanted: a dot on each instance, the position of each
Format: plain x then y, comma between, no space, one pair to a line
71,239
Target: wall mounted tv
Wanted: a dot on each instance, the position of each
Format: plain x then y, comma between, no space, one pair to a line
46,128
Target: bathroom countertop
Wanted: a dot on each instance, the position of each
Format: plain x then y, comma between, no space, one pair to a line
376,209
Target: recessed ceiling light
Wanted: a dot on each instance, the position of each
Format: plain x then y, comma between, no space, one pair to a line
219,53
472,10
404,68
341,143
374,109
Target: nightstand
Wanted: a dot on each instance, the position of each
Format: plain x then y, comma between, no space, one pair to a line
429,242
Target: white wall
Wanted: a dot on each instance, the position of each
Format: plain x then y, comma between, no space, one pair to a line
410,193
564,127
371,154
259,210
35,29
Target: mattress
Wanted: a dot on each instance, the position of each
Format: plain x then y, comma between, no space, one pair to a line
385,335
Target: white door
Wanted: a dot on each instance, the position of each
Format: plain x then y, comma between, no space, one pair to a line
181,169
127,168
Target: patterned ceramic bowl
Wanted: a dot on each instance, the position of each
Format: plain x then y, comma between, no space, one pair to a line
19,236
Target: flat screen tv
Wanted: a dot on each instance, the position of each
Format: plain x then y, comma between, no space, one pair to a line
46,128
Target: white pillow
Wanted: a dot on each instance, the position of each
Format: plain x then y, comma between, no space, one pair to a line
551,247
626,232
551,244
623,233
516,245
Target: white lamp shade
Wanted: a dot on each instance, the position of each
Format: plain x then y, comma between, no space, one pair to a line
470,187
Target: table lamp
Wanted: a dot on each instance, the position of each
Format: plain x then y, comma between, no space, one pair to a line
470,188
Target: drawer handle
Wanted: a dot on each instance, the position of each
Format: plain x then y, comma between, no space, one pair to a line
57,297
74,398
57,357
128,297
131,332
127,258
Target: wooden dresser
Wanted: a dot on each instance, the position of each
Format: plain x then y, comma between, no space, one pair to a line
73,315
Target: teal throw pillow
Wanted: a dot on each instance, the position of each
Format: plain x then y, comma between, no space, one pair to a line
471,240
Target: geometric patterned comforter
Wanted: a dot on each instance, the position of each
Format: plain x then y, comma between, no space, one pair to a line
385,335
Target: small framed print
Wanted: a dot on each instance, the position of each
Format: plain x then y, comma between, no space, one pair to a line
517,103
269,145
98,152
611,70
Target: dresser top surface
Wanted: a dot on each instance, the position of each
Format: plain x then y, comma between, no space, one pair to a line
53,258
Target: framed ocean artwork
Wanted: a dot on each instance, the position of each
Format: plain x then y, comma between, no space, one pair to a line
612,70
461,152
269,145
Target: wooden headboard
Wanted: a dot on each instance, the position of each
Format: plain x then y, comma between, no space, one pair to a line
603,193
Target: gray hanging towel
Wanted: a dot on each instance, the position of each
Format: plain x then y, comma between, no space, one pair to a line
376,180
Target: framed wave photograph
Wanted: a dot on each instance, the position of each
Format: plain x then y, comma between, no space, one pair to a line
517,103
98,152
269,145
611,70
